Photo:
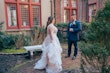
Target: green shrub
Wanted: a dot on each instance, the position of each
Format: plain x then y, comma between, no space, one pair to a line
83,32
63,25
62,31
21,40
13,41
97,49
6,41
38,35
1,25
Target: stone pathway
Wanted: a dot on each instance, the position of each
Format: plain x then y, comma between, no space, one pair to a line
68,65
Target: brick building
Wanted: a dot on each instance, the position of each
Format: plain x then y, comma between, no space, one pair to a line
22,15
89,8
84,9
62,9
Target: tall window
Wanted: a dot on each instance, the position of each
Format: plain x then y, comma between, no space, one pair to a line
73,3
66,3
22,13
36,15
92,11
24,10
12,18
66,15
70,7
73,11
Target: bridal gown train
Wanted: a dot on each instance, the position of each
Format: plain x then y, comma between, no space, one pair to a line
51,55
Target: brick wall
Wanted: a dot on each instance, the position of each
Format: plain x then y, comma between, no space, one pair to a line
82,8
58,11
62,11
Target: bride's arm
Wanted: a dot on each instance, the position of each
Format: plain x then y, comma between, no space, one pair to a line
51,31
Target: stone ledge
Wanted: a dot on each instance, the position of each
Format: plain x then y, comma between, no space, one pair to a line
13,53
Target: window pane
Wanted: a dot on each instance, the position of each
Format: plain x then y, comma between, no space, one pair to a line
66,3
73,3
36,15
24,0
11,11
35,0
92,11
73,11
66,15
24,15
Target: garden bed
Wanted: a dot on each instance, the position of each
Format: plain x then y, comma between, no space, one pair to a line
12,51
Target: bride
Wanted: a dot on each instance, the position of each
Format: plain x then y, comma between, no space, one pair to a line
51,55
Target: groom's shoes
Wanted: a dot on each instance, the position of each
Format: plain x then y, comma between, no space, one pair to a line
73,58
67,56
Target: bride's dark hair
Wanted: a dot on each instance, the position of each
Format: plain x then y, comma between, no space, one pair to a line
50,19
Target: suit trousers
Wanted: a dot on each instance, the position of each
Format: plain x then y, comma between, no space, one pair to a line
70,42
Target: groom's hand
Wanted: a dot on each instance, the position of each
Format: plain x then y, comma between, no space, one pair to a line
71,29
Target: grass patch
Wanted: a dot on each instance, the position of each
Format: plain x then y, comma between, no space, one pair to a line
13,51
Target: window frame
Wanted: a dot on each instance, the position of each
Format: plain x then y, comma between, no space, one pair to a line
90,17
30,3
70,8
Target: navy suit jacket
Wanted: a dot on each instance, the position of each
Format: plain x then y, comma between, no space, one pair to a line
74,35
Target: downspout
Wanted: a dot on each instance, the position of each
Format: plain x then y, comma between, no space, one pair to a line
86,10
55,10
51,6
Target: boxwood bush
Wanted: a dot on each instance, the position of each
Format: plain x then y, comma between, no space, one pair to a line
9,41
96,51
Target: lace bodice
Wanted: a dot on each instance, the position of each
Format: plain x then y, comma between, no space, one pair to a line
53,27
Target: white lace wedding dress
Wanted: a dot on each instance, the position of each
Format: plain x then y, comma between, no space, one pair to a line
51,55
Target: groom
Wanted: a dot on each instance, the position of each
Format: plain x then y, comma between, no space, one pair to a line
74,27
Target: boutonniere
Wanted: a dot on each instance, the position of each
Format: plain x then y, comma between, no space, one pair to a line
74,23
